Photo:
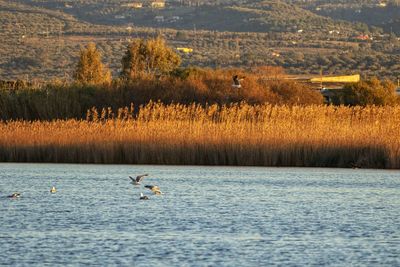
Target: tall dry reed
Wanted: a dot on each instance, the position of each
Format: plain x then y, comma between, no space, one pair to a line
240,134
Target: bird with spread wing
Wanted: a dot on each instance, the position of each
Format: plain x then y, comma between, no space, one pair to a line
138,179
154,188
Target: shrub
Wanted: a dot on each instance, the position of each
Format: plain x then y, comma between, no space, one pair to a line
370,92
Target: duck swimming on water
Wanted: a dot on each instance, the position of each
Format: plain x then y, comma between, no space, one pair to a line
136,181
143,197
15,195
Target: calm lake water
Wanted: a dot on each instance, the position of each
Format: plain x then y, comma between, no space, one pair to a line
208,216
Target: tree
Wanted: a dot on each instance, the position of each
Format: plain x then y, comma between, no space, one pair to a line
90,69
370,92
152,57
132,61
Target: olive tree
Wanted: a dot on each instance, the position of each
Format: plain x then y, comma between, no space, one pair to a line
151,57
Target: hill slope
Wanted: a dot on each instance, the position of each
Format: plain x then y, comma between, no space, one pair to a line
42,38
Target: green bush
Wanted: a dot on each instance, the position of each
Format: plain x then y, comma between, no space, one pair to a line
370,92
150,57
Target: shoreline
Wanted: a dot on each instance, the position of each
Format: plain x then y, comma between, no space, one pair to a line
194,165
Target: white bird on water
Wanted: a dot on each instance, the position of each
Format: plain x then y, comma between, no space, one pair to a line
138,179
143,197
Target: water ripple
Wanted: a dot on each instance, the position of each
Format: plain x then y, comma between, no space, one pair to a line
209,216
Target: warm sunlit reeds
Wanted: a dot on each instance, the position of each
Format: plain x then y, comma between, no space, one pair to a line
70,101
241,134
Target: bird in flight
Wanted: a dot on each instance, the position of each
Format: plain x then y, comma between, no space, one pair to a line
136,181
155,189
236,81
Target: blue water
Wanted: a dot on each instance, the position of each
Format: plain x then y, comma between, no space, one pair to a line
208,216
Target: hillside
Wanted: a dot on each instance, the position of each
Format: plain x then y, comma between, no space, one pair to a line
374,13
232,15
41,39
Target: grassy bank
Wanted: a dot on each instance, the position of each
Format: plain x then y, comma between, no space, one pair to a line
261,135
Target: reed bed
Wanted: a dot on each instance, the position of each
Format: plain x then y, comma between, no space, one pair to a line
238,134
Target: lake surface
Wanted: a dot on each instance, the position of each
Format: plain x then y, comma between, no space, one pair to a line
208,216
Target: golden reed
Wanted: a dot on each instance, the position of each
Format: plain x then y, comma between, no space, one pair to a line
239,134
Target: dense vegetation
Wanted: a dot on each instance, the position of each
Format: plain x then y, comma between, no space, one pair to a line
151,72
202,86
370,92
262,135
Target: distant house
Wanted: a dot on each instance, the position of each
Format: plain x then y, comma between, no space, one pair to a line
175,18
133,5
137,5
334,31
157,4
159,18
381,4
363,37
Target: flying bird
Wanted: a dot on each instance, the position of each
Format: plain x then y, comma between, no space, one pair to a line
138,179
236,81
155,189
